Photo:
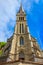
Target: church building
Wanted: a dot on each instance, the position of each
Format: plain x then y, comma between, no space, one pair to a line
22,45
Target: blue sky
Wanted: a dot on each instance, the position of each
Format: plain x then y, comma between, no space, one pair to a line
34,11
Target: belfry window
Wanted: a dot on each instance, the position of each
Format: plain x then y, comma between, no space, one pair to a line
21,41
21,18
21,56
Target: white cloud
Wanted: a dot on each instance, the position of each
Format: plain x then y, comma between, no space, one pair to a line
27,4
2,36
8,9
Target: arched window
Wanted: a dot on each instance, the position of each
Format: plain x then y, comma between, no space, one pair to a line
21,56
21,41
22,28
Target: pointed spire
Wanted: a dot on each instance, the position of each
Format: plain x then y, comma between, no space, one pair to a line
21,10
21,7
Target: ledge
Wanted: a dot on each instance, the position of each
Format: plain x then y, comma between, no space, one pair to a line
21,61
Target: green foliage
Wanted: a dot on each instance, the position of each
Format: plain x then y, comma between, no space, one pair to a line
2,44
0,52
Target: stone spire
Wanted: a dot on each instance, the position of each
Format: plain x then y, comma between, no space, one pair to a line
21,7
21,10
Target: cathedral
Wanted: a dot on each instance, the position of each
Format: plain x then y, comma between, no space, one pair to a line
21,45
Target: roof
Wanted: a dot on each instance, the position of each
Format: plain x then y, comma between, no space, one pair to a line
33,39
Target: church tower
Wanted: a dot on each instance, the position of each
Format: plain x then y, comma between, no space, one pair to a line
21,44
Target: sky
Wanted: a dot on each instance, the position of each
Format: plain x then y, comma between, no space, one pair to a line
34,17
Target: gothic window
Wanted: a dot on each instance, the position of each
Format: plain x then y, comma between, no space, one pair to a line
21,41
22,28
21,56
